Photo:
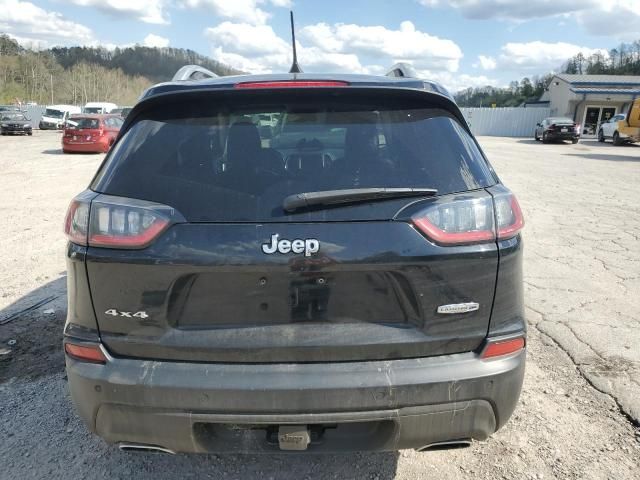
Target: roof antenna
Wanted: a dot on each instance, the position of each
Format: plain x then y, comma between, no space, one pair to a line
295,68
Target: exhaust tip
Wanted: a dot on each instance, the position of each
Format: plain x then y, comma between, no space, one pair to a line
140,448
450,445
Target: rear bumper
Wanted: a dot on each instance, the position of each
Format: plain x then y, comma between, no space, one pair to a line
562,136
380,405
15,131
50,126
96,147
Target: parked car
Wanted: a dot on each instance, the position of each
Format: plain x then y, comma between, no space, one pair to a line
10,108
55,116
352,283
99,107
90,133
122,111
623,127
14,123
557,128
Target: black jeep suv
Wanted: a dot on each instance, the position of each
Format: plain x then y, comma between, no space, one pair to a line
295,262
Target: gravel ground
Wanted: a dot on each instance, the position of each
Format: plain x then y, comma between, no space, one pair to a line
563,427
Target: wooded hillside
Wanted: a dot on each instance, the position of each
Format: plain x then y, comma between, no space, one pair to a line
76,75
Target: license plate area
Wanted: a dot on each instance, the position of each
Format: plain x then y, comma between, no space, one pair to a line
210,300
321,437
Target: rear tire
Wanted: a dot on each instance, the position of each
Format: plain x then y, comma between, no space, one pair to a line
616,139
600,136
574,140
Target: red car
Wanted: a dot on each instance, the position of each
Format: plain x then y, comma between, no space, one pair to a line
90,133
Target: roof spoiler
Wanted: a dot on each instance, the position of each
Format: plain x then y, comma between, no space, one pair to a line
192,72
402,70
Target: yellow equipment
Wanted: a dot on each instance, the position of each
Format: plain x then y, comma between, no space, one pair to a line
629,128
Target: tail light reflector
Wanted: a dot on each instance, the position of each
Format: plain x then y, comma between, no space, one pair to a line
77,221
466,221
292,84
117,222
509,217
85,353
502,347
458,222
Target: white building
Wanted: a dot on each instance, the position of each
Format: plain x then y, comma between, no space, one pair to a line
590,99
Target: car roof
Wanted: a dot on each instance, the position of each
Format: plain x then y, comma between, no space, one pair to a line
559,118
354,80
91,115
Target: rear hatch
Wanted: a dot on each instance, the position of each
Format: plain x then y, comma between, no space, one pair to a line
83,130
230,275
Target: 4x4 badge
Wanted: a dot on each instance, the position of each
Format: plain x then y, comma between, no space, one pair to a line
459,307
307,246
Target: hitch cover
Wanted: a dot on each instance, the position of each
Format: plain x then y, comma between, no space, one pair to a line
293,437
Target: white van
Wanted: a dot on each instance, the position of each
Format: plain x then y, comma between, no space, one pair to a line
55,116
99,107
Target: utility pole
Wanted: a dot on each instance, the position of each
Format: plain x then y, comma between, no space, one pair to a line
51,78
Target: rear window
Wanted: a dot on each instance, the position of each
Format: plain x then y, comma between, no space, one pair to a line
228,162
52,113
80,123
15,117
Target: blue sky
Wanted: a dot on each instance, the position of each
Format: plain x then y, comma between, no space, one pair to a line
460,43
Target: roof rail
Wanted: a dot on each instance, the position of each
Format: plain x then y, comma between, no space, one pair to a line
192,72
402,70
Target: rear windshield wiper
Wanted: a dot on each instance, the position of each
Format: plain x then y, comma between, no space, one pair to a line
352,195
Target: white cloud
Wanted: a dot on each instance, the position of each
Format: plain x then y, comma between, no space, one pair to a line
152,40
243,11
454,82
342,48
486,63
257,49
512,9
540,56
616,18
405,44
32,24
325,48
148,11
244,38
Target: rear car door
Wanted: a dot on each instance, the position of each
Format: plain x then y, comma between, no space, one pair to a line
229,275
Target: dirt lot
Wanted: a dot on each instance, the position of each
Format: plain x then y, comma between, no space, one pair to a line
577,411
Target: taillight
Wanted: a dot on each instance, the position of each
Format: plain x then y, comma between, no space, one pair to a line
117,222
292,84
468,220
461,221
499,348
76,223
509,218
85,353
